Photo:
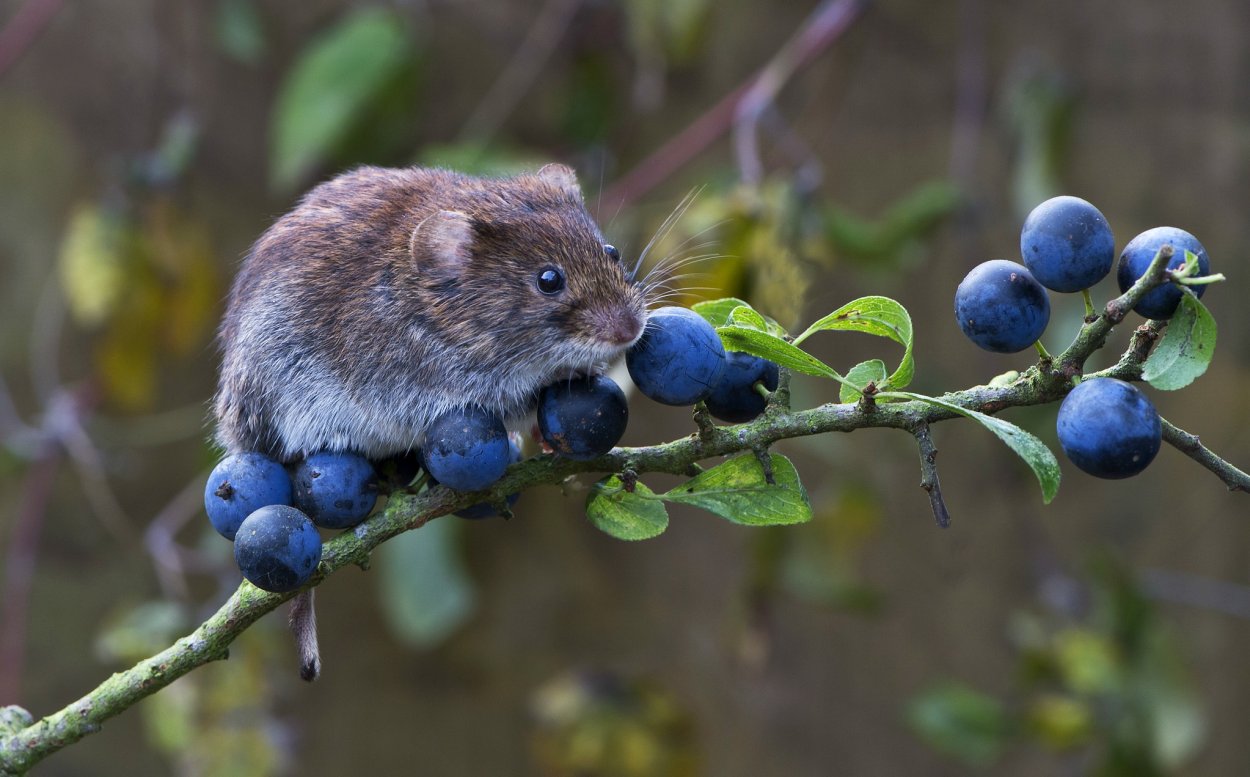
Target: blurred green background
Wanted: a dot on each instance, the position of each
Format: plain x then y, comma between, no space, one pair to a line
145,143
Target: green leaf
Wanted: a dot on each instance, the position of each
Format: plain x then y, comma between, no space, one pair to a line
880,316
775,349
239,31
748,317
672,31
139,631
737,490
871,371
899,232
1186,348
716,312
1040,106
1191,264
425,588
960,722
1032,450
326,92
639,515
731,311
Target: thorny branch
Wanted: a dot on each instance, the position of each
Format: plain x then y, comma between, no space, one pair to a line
929,475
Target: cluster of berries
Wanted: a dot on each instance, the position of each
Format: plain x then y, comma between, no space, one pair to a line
273,512
272,515
679,360
1107,427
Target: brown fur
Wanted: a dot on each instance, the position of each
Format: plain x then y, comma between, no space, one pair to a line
388,296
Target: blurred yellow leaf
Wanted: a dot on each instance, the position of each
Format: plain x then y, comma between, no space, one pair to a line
1061,722
127,355
750,242
93,264
1088,661
596,724
180,250
170,716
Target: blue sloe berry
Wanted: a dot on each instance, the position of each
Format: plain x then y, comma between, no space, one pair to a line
1067,244
734,398
1160,302
486,509
397,471
1109,428
466,449
1001,307
335,490
277,548
678,359
241,484
583,419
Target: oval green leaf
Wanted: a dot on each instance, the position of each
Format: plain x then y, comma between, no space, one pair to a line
871,371
880,316
1185,350
748,317
716,312
426,590
773,348
738,491
325,93
639,515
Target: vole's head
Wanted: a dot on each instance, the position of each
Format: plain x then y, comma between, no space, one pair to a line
521,275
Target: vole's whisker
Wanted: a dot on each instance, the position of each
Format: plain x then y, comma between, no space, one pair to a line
682,245
688,254
687,261
666,227
661,284
669,284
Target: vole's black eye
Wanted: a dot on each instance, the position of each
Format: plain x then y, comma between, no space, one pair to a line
612,252
550,281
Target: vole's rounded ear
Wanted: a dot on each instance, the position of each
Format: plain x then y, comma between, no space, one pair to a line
562,177
444,239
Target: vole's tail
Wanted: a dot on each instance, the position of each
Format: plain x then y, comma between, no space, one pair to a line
303,624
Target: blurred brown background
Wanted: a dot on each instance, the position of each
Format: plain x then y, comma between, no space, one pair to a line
145,144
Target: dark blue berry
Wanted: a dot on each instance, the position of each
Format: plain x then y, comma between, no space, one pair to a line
241,484
277,548
583,418
1067,244
678,359
396,472
1001,307
734,398
466,449
1109,428
335,490
1160,302
486,509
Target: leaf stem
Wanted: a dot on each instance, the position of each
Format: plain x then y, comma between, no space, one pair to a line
1202,280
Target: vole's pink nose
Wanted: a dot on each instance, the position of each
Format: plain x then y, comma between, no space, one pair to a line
622,327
